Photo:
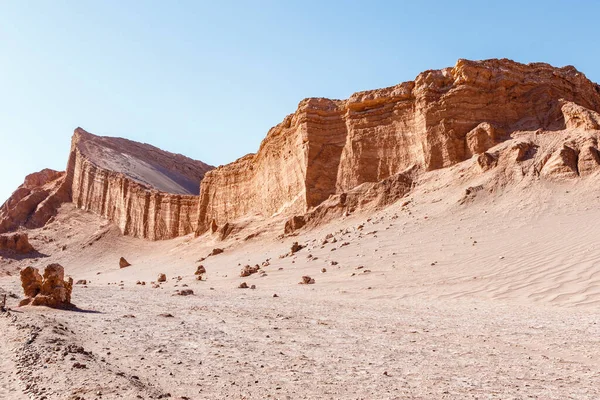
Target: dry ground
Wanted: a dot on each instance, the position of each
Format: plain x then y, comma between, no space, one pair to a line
496,298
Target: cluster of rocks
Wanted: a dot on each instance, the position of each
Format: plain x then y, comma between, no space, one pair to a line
244,285
307,280
248,270
51,289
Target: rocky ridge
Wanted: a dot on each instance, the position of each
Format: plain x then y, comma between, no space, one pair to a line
336,156
332,147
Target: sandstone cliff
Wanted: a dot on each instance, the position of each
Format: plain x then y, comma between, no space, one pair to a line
147,192
334,156
328,147
35,201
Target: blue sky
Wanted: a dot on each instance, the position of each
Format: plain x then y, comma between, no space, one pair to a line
208,79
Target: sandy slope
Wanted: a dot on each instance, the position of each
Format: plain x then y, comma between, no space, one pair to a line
494,298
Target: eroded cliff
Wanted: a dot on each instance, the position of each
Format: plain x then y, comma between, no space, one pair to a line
147,192
334,155
328,147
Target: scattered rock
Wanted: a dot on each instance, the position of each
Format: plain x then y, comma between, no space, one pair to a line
123,263
275,295
81,282
184,292
248,270
307,280
296,248
215,251
243,285
323,270
200,270
294,223
161,278
166,315
253,287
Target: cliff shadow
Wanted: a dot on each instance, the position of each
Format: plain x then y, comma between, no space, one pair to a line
18,256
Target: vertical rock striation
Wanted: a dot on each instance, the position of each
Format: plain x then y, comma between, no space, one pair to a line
147,192
328,154
328,147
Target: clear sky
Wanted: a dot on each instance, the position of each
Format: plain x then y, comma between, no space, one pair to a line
208,79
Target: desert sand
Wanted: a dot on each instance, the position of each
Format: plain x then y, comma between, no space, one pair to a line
431,240
427,300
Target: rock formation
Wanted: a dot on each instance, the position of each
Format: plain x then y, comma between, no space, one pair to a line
147,192
35,201
16,242
334,156
330,147
49,290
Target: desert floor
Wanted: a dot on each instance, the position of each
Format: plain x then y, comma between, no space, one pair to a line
494,299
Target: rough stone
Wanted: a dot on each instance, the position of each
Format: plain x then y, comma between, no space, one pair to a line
16,242
248,270
51,289
307,280
200,270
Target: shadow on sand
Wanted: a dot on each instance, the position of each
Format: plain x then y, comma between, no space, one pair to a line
18,257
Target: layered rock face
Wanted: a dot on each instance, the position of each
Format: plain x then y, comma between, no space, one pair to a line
331,156
35,201
328,147
147,192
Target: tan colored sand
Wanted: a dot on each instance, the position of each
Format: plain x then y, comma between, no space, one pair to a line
492,299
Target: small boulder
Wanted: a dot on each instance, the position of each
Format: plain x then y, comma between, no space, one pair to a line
243,285
161,278
123,263
184,292
81,282
248,270
307,280
296,248
216,251
200,270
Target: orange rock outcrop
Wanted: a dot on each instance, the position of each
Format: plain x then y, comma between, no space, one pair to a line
328,147
35,201
16,243
147,192
334,156
51,289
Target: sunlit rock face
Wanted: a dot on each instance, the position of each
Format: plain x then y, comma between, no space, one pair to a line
147,192
328,147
